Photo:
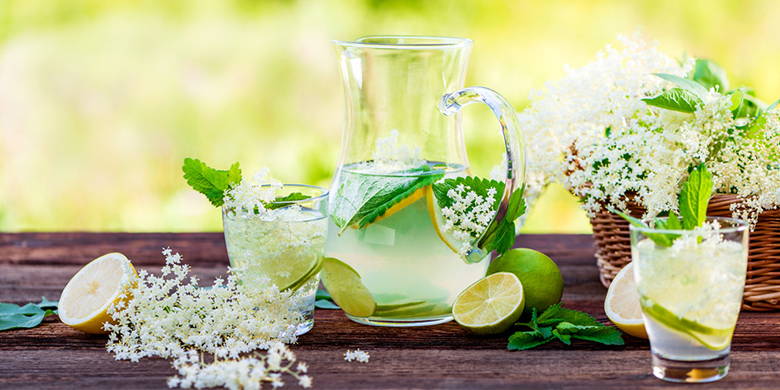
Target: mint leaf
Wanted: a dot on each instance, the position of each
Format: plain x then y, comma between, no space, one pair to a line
695,196
560,314
520,341
660,239
710,75
326,304
676,99
27,316
564,338
278,202
363,199
47,304
209,181
606,335
691,86
500,235
750,107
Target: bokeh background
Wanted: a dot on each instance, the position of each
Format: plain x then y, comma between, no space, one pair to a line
101,100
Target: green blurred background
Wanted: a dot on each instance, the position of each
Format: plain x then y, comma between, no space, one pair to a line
101,100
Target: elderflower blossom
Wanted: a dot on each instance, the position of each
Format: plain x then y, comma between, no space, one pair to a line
171,316
592,132
356,355
469,215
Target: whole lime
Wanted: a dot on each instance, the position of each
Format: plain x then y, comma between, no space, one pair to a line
540,276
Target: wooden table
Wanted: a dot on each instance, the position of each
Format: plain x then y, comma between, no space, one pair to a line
443,356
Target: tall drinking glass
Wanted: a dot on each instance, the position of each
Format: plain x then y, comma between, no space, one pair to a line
690,285
283,245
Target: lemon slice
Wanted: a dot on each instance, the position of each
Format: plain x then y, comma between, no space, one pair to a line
346,288
86,298
414,197
622,303
438,221
491,305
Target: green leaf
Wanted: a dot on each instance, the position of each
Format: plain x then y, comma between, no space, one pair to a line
694,197
209,181
364,200
710,75
47,304
773,106
686,84
520,341
325,304
750,107
561,314
564,338
322,294
606,335
278,202
736,100
500,235
676,99
27,316
660,239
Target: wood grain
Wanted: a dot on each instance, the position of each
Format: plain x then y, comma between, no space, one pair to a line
54,356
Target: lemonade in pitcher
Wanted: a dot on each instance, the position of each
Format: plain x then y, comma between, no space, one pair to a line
409,228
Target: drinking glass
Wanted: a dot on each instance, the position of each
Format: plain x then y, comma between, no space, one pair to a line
283,245
690,286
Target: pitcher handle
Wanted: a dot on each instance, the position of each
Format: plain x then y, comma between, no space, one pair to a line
451,103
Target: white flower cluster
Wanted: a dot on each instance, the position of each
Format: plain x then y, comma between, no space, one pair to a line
249,197
469,215
357,355
172,317
592,132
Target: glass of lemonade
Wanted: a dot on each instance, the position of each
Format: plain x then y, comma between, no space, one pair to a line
283,244
691,294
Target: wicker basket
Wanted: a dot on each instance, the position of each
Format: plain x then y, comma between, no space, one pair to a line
762,287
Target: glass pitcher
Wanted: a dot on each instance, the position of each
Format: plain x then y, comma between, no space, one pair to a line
396,256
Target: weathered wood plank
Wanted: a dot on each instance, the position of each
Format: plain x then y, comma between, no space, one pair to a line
444,356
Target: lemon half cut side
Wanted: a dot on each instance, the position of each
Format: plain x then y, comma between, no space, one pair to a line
622,303
86,298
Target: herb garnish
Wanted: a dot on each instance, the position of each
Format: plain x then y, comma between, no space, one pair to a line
363,201
27,316
693,199
557,322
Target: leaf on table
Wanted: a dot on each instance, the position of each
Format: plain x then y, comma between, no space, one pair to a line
325,304
520,341
28,316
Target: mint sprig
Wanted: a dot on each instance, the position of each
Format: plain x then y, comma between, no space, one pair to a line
564,325
281,201
361,201
209,181
28,316
694,198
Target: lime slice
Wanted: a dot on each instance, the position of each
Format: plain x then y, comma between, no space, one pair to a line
313,271
491,305
712,338
346,288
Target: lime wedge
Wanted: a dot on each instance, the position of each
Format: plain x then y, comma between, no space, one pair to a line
491,305
712,338
346,288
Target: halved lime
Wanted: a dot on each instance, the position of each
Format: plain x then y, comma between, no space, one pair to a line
491,305
711,338
346,288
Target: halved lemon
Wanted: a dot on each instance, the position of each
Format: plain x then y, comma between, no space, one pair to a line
437,220
86,298
622,303
491,305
